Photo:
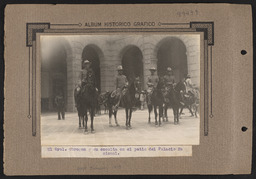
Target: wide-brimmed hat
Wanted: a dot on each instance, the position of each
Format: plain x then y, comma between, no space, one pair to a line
120,68
152,69
169,69
86,62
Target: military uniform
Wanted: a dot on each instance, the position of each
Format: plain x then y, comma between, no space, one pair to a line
88,79
152,83
60,103
121,81
153,80
169,80
189,85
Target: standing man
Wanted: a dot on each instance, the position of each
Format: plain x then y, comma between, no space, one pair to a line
121,83
60,103
152,83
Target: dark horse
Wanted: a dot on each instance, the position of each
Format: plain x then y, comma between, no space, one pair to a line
157,100
103,100
79,106
180,86
173,99
189,100
128,101
86,103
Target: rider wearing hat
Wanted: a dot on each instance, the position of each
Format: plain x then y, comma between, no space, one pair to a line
152,82
189,84
169,77
121,80
121,83
153,78
87,78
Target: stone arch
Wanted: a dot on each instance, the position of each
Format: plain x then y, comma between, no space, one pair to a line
132,61
95,55
171,52
56,55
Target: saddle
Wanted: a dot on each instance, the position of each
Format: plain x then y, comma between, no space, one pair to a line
118,92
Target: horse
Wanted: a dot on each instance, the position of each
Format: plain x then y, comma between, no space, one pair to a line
88,103
80,106
157,100
127,101
173,97
191,101
103,97
180,86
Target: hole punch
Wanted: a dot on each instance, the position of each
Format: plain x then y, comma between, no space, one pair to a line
244,128
243,52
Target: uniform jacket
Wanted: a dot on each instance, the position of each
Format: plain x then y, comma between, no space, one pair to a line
189,85
153,79
121,81
60,101
88,77
169,79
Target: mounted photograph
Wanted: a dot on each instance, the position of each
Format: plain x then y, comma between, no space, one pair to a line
120,90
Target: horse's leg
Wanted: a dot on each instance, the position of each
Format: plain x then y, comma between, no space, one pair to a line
195,110
166,113
189,108
174,114
92,117
79,121
164,116
115,114
181,109
160,114
110,115
177,111
130,117
86,119
149,111
83,121
155,111
126,118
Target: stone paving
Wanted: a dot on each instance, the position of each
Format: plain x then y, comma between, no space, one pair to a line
67,132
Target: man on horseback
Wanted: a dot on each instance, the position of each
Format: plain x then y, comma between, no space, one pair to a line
87,78
189,85
121,85
87,75
152,83
169,81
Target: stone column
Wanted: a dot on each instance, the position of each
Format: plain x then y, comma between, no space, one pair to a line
149,58
193,59
73,73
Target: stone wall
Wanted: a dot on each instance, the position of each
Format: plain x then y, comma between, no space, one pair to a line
110,50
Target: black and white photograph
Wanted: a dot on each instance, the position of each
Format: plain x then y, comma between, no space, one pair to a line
120,89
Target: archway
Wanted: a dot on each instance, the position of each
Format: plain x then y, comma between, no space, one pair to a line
93,54
171,52
53,72
132,62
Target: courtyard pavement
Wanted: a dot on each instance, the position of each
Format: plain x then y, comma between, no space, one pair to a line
67,132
